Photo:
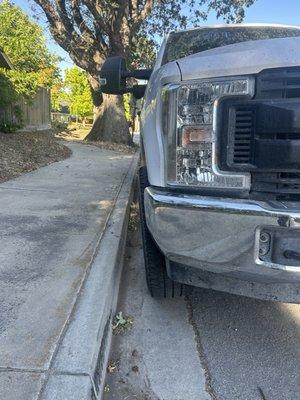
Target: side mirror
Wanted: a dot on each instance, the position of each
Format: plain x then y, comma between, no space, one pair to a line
113,77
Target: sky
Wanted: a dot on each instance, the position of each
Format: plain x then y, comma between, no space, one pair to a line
267,11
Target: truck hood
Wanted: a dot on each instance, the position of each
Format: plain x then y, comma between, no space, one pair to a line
241,58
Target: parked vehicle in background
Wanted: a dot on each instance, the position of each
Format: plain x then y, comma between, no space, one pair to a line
220,174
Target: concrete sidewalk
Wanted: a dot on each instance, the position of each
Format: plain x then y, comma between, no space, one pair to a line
62,234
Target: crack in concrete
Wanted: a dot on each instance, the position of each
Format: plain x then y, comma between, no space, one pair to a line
23,370
69,373
200,350
261,393
27,189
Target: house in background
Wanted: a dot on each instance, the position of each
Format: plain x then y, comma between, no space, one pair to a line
5,61
36,113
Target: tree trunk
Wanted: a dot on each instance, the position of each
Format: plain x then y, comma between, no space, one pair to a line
110,124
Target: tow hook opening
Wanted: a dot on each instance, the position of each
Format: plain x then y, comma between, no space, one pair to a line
290,254
264,243
276,245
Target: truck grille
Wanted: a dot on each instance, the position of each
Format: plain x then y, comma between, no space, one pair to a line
279,83
243,135
248,133
285,185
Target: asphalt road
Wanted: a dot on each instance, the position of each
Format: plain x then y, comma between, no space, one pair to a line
206,345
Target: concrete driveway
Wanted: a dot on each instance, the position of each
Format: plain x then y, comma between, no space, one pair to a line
205,346
51,223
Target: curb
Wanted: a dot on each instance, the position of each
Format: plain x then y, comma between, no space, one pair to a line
79,369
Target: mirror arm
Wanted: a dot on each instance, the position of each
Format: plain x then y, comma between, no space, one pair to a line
138,91
138,74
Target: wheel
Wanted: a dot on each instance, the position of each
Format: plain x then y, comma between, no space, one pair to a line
158,282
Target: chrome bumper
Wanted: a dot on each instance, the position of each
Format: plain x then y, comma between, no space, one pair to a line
220,236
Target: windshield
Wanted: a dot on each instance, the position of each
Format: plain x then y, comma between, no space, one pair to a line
183,44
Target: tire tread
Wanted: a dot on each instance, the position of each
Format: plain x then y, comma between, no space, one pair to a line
158,282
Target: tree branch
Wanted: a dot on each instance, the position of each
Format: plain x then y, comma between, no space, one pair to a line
146,10
138,16
79,49
94,8
79,20
48,9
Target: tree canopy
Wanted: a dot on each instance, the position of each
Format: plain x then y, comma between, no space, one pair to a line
23,41
117,27
78,92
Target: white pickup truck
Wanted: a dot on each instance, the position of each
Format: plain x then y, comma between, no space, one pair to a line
220,173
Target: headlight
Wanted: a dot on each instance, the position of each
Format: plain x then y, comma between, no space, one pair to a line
189,124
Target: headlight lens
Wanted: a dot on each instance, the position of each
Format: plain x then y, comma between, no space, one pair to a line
188,116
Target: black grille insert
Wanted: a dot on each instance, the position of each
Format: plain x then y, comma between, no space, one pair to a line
285,185
279,83
261,136
243,136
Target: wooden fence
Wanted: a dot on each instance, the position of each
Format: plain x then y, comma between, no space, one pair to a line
36,113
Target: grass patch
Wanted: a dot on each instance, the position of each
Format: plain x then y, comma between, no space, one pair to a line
121,323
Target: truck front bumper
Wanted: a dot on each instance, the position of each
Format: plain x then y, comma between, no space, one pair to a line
240,246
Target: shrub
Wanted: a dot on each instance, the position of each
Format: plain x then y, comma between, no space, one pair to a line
9,127
59,126
127,107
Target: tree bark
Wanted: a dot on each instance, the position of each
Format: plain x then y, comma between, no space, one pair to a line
110,124
97,97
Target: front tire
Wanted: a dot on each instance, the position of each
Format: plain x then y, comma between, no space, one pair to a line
158,282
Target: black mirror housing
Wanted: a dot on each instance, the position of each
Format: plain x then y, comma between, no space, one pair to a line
113,77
